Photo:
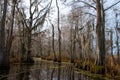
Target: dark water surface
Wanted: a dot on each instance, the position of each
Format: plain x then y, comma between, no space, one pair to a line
43,70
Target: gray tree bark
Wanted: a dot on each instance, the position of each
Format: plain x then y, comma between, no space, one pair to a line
4,58
100,33
59,31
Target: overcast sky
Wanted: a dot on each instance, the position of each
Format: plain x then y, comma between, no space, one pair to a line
66,9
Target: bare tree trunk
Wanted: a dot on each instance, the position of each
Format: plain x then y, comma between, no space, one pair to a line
22,41
29,36
100,32
29,45
53,46
118,53
111,43
80,50
10,33
117,41
73,48
4,58
59,31
73,56
53,43
103,51
71,44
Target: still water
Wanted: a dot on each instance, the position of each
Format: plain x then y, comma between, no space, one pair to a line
43,70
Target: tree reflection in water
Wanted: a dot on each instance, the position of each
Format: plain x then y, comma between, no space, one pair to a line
44,71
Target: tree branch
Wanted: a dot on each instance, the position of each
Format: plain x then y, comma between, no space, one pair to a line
46,7
112,6
89,14
87,4
40,21
22,16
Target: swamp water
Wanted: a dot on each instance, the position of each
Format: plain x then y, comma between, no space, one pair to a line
44,70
